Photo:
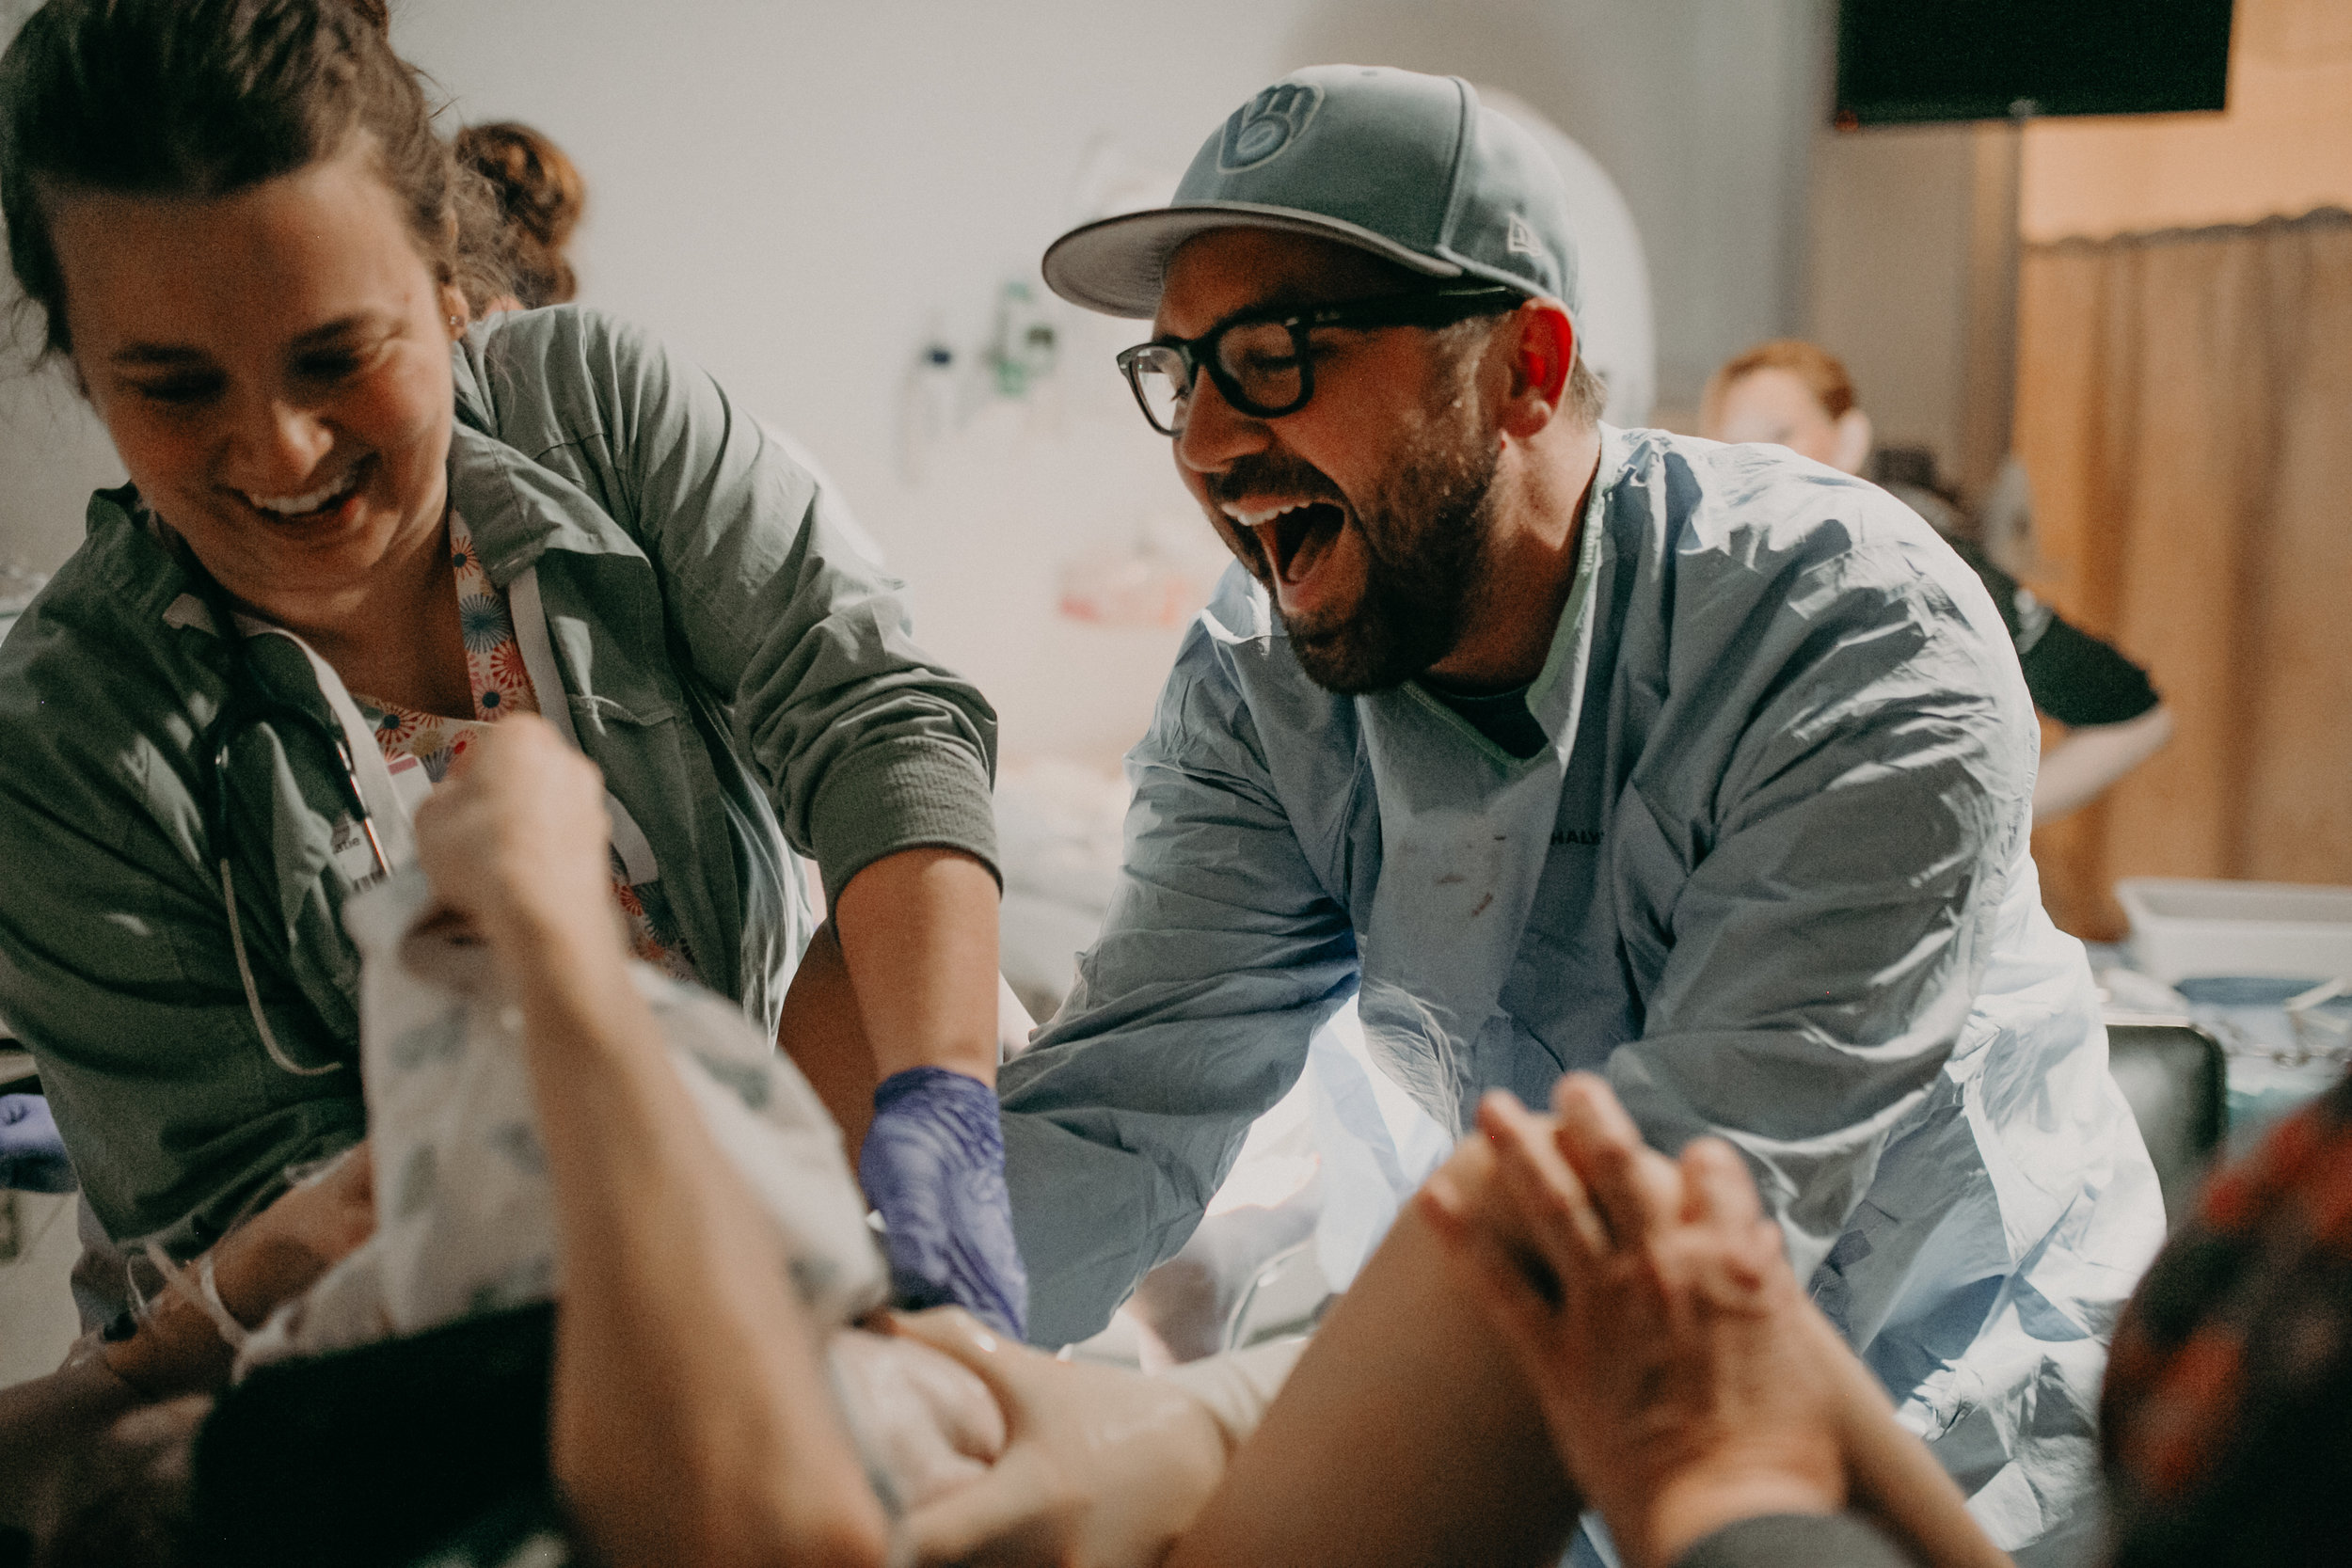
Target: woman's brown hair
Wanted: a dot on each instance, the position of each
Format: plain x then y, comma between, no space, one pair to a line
204,97
542,197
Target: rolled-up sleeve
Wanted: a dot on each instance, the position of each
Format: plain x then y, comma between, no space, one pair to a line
1220,955
867,744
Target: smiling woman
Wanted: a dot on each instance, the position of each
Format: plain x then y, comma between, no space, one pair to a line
358,531
305,465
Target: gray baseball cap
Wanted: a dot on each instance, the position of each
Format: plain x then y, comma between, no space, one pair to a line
1409,167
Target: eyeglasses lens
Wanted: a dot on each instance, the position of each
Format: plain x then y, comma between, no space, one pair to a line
1262,359
1158,375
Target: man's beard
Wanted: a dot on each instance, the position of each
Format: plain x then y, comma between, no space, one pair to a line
1425,538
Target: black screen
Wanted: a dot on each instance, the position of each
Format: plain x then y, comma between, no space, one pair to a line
1908,60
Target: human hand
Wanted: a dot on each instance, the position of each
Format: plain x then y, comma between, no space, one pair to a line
1657,1319
933,1164
923,1419
312,1226
32,1154
1102,1467
271,1257
517,841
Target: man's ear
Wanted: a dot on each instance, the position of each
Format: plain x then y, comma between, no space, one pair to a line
455,313
1542,352
1853,441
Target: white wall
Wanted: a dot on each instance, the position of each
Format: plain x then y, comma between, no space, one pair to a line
796,194
1700,109
53,455
1888,285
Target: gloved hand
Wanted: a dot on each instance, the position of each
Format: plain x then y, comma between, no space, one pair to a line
32,1155
935,1166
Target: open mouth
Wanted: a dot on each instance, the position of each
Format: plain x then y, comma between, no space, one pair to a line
1292,538
316,506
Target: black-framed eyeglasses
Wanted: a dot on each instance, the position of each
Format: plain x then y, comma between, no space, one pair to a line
1260,359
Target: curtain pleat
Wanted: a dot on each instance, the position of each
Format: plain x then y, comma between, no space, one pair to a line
2184,411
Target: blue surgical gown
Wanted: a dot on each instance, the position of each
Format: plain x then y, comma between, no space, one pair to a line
1770,878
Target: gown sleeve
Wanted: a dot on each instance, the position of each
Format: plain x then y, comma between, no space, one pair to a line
1823,953
1220,955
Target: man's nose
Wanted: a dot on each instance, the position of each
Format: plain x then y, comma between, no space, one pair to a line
275,447
1215,431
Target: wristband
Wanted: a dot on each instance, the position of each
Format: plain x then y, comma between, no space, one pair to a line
203,1292
167,1353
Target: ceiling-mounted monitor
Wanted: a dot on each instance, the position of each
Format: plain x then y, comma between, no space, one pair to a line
1907,61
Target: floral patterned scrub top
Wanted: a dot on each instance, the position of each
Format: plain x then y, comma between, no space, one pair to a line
494,668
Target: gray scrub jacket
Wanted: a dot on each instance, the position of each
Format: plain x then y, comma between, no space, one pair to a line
1770,878
744,680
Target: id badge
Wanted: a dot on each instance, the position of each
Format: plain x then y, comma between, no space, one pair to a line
354,856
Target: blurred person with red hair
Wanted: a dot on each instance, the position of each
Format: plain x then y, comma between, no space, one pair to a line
1791,393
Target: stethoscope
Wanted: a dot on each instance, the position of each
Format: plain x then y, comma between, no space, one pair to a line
253,698
381,826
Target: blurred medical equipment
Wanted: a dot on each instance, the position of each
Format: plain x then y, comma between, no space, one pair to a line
32,1155
1026,345
942,387
2183,927
930,403
2174,1077
2265,967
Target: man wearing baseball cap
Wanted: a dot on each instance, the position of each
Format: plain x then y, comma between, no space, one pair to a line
1560,746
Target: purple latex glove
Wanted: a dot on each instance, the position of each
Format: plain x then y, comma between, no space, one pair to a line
32,1155
935,1166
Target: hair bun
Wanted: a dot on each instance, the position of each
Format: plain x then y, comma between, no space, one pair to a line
540,199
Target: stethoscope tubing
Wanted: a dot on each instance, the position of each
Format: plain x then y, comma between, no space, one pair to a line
251,700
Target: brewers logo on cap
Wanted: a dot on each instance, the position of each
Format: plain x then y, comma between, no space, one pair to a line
1266,124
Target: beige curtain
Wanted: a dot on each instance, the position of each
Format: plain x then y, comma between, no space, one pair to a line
2184,410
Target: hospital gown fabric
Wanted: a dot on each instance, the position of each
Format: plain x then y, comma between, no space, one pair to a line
465,1209
464,1250
1769,875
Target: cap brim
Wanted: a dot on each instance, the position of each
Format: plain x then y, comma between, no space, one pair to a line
1118,265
